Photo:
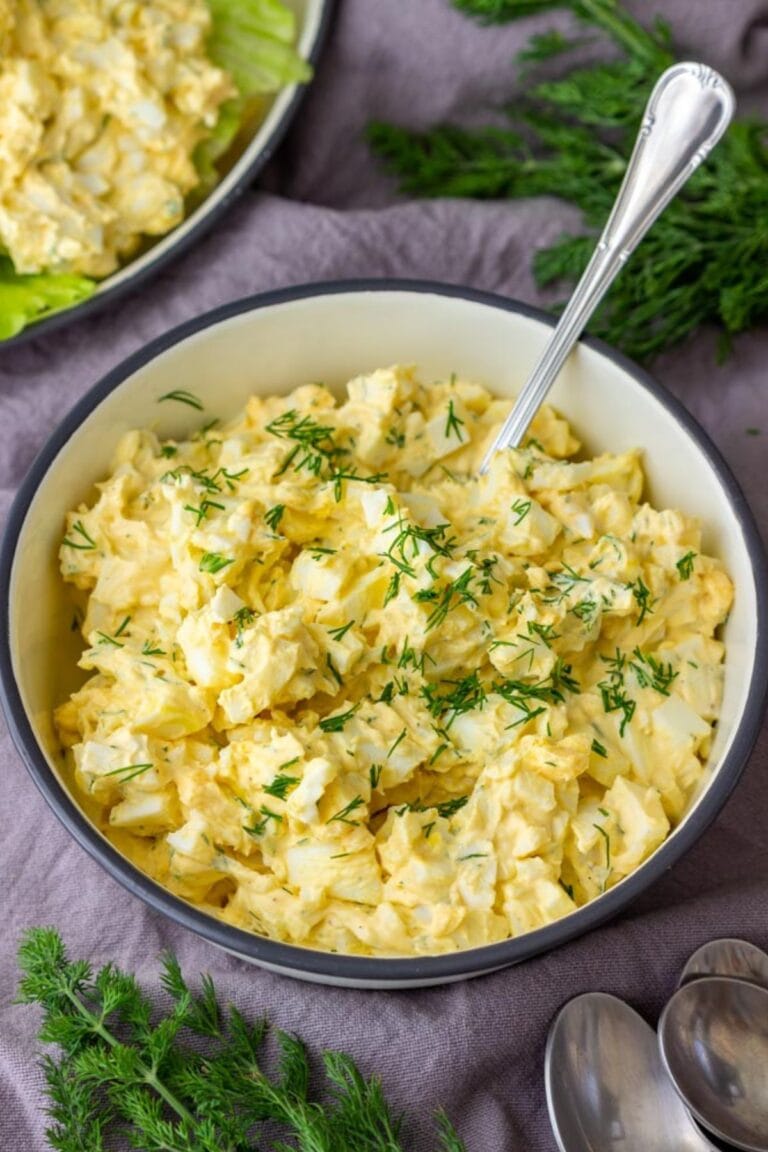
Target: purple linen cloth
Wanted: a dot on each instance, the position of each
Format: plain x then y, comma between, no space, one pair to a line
328,212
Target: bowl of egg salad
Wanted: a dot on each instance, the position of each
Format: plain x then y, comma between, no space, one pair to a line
126,130
305,683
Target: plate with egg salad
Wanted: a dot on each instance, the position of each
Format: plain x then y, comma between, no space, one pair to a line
118,119
343,693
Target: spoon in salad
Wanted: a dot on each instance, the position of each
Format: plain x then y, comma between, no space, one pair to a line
688,111
713,1040
607,1090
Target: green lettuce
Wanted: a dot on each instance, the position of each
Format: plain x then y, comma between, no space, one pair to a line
27,298
252,40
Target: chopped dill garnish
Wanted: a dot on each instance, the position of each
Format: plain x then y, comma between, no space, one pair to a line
336,723
148,649
214,562
105,639
339,633
344,813
241,619
521,508
89,543
333,670
281,786
454,424
374,775
397,741
126,621
204,508
613,690
652,673
133,770
452,596
273,516
685,565
642,595
183,397
260,827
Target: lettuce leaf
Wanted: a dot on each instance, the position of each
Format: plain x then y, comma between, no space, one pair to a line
253,41
27,298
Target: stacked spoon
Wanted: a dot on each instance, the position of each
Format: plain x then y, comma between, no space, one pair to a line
612,1083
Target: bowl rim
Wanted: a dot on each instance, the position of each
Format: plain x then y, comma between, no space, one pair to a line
341,967
211,209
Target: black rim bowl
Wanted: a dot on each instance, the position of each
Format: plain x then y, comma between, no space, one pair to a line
336,967
208,218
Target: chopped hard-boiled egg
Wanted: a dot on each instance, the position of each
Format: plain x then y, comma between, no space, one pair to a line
344,693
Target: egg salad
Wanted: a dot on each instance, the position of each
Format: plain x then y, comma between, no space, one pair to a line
346,694
102,104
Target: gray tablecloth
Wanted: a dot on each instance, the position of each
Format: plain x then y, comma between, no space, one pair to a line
327,212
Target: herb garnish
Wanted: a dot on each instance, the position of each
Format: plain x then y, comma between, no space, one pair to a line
86,542
214,562
453,424
273,516
344,813
642,595
183,397
202,511
652,673
281,785
133,770
685,565
521,508
339,633
241,619
613,690
260,827
453,596
336,723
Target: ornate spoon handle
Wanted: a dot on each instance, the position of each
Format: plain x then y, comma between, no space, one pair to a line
689,109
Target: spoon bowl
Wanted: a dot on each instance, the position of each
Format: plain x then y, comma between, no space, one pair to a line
729,957
713,1040
606,1087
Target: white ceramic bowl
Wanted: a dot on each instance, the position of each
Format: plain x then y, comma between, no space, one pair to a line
331,332
313,19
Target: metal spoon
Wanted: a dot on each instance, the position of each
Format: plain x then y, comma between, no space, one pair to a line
728,957
606,1088
713,1039
689,109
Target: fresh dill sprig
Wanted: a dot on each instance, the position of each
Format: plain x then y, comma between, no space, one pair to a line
704,261
126,1072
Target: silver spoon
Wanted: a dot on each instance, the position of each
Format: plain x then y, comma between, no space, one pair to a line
728,957
606,1088
713,1039
688,111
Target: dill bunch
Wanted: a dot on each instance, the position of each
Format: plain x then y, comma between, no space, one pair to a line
191,1080
704,261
